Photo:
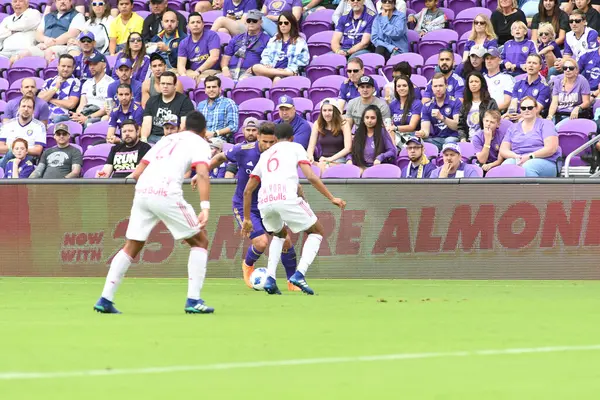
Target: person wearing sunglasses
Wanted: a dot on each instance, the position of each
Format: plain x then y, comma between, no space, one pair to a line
580,40
534,86
589,68
389,31
235,13
17,31
516,51
590,12
548,49
352,36
98,25
94,93
349,88
87,44
532,142
123,26
63,161
570,95
549,12
199,52
272,9
135,51
155,22
482,34
345,6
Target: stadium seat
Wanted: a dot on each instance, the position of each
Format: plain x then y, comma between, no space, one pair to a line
466,13
319,43
317,22
415,60
413,40
189,85
4,64
325,87
462,42
382,171
95,155
341,171
573,134
506,171
93,134
51,70
432,42
372,62
251,88
2,108
419,81
210,17
326,65
259,108
91,173
26,67
293,86
489,4
316,171
3,88
144,13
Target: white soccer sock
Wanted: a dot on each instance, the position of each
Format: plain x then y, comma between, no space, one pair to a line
196,271
309,252
118,267
274,255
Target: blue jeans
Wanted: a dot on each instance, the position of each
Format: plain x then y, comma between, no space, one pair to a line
537,168
440,141
59,118
270,27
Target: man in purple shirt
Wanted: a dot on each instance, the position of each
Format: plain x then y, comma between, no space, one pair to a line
352,35
87,42
288,114
589,68
455,85
124,72
28,89
487,141
127,109
454,166
199,52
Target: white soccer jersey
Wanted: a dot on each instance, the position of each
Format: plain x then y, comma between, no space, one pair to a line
277,170
576,47
34,132
169,160
499,85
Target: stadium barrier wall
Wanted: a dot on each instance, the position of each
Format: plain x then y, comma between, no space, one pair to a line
446,229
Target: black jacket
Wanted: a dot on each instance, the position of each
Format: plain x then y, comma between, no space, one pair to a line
463,127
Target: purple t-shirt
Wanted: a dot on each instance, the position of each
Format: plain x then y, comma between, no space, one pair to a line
467,171
254,45
238,11
282,60
369,153
276,7
486,45
449,109
525,143
555,49
40,110
478,141
568,101
517,52
397,112
198,52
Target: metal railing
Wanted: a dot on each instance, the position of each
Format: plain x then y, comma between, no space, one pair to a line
578,150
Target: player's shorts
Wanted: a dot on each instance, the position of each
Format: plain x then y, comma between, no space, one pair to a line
259,229
297,216
174,212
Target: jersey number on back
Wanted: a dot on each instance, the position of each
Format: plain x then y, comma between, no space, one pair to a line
167,150
272,163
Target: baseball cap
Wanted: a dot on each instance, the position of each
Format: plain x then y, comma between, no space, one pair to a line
172,120
477,50
285,101
415,139
451,146
123,61
251,122
62,127
216,143
366,80
87,34
96,58
332,101
254,14
492,51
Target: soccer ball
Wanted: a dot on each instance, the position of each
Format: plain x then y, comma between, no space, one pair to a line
258,278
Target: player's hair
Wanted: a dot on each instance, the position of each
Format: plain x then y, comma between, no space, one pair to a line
27,98
124,86
284,131
360,138
130,122
212,78
495,114
266,128
195,14
17,141
68,57
196,123
171,74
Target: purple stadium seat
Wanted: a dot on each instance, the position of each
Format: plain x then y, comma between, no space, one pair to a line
303,107
413,40
317,22
259,108
14,90
2,16
467,153
91,173
75,128
573,134
1,173
26,67
432,42
251,88
521,77
325,65
185,14
177,5
341,171
51,70
382,171
465,16
415,60
373,62
2,108
489,4
140,5
3,88
316,171
210,17
381,81
319,43
506,171
479,170
93,134
224,37
419,81
417,5
78,147
95,155
227,86
322,88
293,86
112,61
460,46
449,15
4,64
189,84
50,141
143,13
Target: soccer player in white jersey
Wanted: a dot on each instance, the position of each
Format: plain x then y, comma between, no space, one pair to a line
279,204
159,197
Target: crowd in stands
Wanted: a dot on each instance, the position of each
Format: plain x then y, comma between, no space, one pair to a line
92,85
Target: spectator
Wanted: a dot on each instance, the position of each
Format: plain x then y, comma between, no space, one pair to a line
216,147
61,161
154,23
533,86
126,23
94,93
245,50
500,84
17,31
221,113
454,166
455,84
199,52
98,25
135,51
548,49
549,12
24,127
51,6
21,166
127,110
272,11
356,107
589,68
208,5
399,5
87,45
477,102
402,68
28,89
63,91
419,166
473,63
288,114
532,143
371,145
123,68
482,34
167,40
389,31
352,35
345,7
439,117
591,14
487,141
579,41
161,107
429,19
405,112
124,158
503,18
570,95
151,86
250,130
235,14
349,88
515,52
285,53
331,134
171,125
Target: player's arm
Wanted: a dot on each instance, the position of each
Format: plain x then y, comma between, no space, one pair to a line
217,160
203,182
301,192
135,175
317,183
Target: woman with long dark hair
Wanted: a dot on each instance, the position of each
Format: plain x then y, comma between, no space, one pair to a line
405,111
549,12
476,101
135,50
371,144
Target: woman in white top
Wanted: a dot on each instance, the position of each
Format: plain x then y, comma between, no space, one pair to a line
98,24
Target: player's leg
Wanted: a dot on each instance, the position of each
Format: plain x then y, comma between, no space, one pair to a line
273,223
289,261
259,241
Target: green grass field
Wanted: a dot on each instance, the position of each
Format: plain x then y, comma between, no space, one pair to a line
434,332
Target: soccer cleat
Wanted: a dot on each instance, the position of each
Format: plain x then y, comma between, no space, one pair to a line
298,280
197,307
106,307
292,287
247,270
271,286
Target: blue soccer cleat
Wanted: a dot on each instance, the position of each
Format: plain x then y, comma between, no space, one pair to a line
298,280
197,307
105,306
271,286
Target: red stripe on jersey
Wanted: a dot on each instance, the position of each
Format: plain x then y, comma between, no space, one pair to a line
144,161
255,177
186,215
306,208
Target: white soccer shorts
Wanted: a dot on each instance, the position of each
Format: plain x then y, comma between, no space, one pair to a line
174,212
298,217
